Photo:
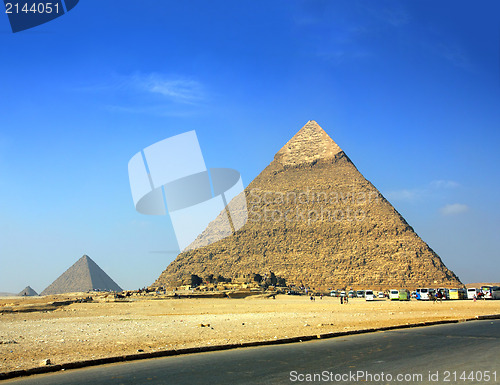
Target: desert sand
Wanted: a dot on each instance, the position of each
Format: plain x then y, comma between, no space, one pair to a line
83,331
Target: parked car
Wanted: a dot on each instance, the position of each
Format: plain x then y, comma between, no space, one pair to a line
381,294
360,293
351,294
369,295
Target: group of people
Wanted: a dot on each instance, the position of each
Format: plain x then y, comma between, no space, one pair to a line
436,297
479,295
344,299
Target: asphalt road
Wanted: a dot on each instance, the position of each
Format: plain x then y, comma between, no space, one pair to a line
426,355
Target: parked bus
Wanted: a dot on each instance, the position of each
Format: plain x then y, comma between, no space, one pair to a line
458,294
404,295
490,292
423,294
471,292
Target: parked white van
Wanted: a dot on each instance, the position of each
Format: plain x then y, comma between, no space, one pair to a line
394,295
369,295
423,293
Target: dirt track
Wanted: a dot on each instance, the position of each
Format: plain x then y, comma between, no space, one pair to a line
83,331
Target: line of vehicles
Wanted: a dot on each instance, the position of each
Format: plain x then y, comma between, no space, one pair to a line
423,294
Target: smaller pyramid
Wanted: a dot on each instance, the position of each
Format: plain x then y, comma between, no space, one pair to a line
84,275
28,292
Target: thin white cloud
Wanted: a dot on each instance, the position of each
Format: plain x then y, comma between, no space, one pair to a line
407,195
453,209
342,55
394,14
443,183
160,110
396,17
453,53
447,50
152,94
171,89
412,195
176,89
343,40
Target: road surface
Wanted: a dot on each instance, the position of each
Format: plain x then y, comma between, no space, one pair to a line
438,354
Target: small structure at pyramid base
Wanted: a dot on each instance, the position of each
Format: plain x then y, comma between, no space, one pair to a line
28,292
314,220
83,276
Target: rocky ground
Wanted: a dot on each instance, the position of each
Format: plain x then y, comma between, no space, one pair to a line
81,331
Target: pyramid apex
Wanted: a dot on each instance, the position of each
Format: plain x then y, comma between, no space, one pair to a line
310,143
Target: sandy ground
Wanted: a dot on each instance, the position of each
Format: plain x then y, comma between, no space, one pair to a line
83,331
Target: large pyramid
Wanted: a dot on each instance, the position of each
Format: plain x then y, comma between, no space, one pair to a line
82,276
313,219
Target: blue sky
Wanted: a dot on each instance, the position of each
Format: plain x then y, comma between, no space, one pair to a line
409,90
